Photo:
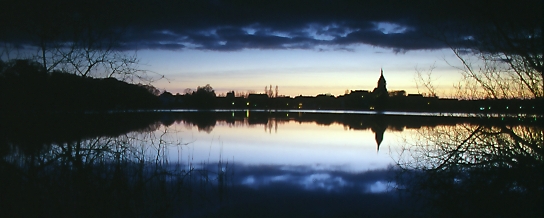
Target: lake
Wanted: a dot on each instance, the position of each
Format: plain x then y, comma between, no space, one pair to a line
272,164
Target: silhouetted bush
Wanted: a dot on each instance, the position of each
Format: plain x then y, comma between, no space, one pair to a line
26,86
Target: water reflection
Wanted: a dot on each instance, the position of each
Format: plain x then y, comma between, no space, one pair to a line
476,170
377,123
304,164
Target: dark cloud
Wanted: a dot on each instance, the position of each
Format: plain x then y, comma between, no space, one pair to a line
229,25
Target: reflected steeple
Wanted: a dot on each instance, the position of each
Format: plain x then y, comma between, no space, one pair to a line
378,131
379,125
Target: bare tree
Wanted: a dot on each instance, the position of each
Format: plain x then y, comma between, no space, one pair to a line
93,53
424,81
74,38
9,52
463,169
270,92
438,148
501,55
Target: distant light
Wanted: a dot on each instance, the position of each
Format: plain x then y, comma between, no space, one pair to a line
232,103
482,108
506,107
286,115
247,104
428,103
371,108
520,107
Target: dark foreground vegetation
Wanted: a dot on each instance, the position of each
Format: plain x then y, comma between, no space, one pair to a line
26,87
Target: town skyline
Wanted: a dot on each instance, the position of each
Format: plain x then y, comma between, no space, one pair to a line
303,79
367,83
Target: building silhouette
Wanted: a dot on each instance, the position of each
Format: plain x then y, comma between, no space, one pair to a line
380,94
381,88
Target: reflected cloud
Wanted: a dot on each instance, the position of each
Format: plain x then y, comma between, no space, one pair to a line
305,178
381,186
323,181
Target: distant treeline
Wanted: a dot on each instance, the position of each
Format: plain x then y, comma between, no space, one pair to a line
26,87
356,100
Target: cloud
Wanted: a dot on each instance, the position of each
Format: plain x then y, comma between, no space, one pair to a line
231,25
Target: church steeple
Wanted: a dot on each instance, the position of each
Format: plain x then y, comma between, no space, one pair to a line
381,88
380,93
381,82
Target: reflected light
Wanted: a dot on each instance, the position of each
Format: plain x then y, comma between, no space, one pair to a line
380,187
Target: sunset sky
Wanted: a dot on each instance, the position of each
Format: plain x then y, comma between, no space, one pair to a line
303,47
297,71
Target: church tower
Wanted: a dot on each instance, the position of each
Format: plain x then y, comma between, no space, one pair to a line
381,82
381,88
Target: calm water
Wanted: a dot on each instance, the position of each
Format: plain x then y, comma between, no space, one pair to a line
257,163
303,154
284,144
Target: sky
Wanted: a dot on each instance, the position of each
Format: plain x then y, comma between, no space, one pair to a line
303,47
296,72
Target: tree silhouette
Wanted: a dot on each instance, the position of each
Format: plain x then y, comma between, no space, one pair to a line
72,37
204,97
484,170
26,86
465,170
501,54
